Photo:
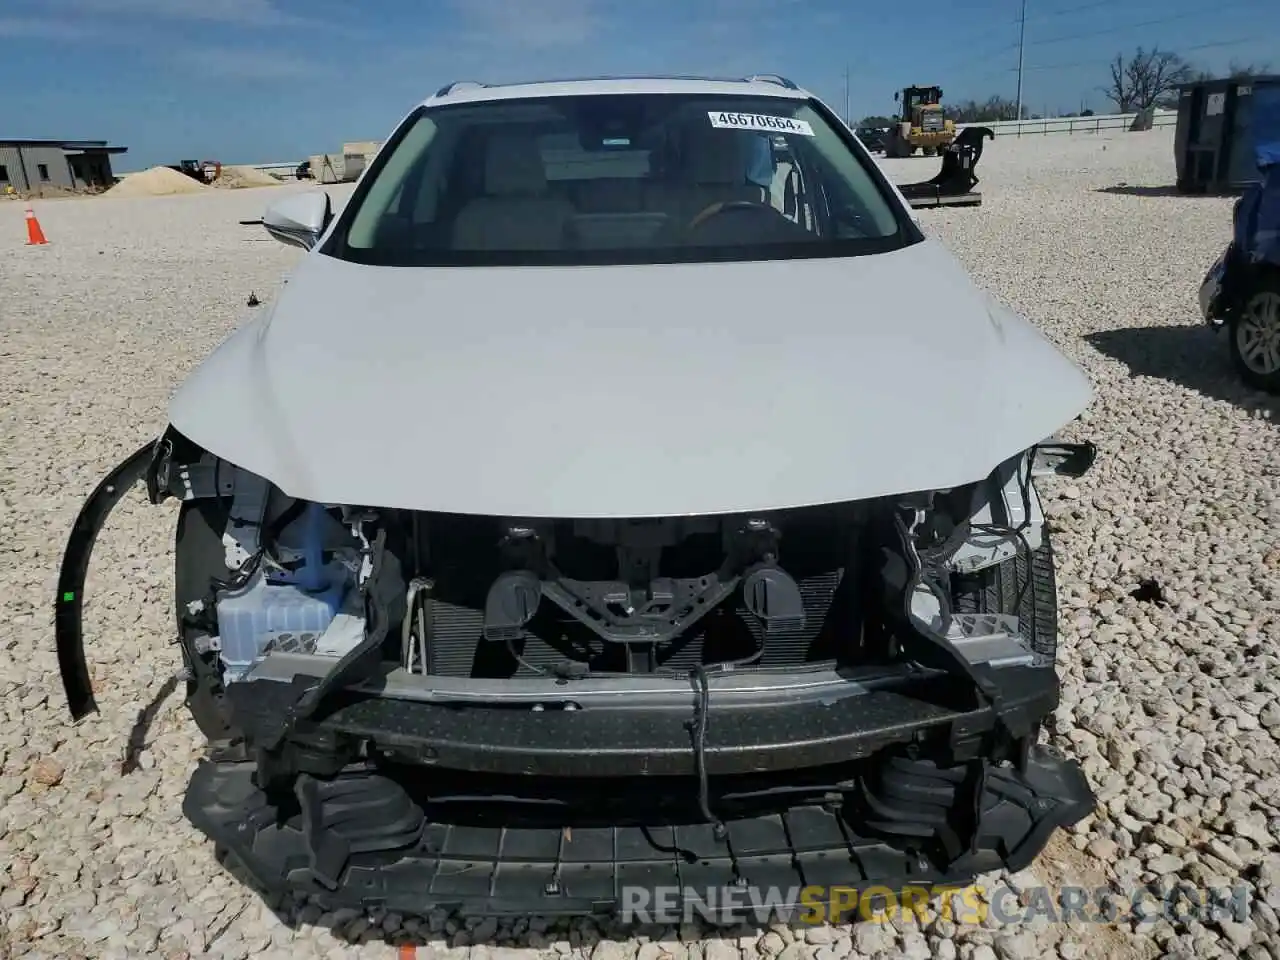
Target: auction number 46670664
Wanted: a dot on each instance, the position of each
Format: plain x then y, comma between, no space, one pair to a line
764,122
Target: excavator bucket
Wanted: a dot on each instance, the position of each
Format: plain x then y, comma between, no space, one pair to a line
953,186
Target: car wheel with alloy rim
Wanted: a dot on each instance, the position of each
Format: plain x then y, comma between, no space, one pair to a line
1255,336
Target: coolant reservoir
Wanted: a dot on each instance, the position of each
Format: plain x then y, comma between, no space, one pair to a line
284,612
266,617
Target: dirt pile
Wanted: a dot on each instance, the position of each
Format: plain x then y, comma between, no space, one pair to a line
156,182
236,178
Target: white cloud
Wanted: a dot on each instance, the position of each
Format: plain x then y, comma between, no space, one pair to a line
238,64
256,13
38,28
524,23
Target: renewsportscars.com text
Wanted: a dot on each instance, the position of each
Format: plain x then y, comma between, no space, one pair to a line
972,904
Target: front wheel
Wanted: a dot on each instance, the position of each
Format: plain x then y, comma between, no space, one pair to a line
1255,335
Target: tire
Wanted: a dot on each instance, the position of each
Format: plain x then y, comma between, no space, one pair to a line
996,590
1257,318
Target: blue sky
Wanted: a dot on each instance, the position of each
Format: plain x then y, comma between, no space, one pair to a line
250,81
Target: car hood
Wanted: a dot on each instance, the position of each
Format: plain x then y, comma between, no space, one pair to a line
628,390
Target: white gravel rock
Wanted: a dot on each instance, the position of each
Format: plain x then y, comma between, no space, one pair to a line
1173,708
870,937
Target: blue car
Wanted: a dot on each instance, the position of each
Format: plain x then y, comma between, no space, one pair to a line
1241,291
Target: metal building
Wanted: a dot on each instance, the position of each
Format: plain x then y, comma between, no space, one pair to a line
33,166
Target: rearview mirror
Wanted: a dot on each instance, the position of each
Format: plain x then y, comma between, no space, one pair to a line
300,220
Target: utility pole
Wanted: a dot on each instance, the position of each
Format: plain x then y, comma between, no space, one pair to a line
1022,36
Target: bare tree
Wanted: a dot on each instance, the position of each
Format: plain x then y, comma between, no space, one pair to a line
1236,71
1244,70
993,109
1146,79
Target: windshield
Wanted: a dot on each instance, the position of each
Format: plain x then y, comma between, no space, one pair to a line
614,179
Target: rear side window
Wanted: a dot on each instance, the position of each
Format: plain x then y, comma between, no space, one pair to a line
608,178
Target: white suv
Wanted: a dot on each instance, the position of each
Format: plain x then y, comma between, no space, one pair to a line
622,488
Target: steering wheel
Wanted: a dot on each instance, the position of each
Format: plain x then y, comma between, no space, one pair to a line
724,206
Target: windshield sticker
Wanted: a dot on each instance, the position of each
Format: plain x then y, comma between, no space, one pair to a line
759,121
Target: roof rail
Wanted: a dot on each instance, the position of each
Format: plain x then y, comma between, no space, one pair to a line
772,78
448,88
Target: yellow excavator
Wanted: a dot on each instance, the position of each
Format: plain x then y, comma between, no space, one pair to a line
921,124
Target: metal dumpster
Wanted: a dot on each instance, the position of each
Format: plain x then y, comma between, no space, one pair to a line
1214,138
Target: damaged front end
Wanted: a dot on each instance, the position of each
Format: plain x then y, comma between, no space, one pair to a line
527,715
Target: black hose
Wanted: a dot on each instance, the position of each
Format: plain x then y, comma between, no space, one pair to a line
238,579
916,572
701,708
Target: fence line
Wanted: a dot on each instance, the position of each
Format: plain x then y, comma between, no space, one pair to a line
1069,125
283,166
1015,128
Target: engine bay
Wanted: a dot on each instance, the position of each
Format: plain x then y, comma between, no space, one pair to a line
490,598
318,636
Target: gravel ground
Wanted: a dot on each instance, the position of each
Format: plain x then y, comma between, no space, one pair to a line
1172,706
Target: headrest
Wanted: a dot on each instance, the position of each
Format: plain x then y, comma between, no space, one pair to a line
714,157
513,166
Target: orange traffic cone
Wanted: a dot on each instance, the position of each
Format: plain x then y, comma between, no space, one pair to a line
35,236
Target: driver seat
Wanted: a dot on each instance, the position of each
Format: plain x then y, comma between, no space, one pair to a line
713,170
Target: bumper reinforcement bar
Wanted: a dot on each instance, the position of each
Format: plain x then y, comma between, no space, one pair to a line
625,742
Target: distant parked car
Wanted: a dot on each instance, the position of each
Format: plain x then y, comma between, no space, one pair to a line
304,171
873,138
1241,291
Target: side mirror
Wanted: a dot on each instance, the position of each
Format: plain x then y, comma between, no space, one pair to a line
299,220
